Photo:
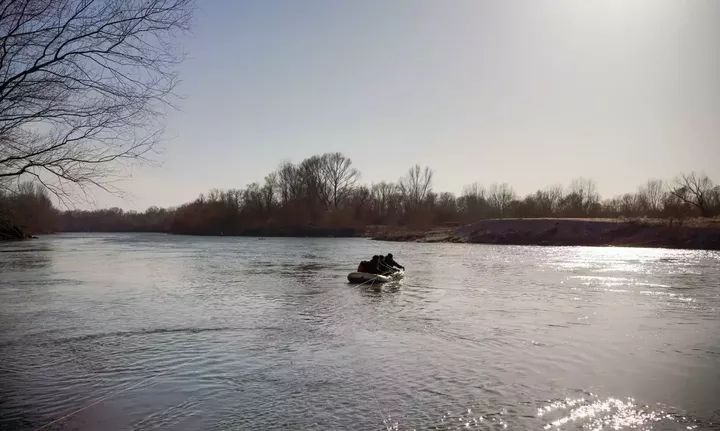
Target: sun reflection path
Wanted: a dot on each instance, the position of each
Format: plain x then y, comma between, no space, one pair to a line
605,414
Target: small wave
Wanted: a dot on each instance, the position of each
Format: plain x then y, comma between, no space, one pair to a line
144,332
172,416
25,250
141,332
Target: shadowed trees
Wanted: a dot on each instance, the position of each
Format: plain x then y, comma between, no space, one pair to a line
582,200
304,195
473,204
321,195
416,196
30,207
385,203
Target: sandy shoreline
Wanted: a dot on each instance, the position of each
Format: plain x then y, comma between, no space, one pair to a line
694,234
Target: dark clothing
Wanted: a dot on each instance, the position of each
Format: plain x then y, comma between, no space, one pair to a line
372,267
390,262
363,266
385,268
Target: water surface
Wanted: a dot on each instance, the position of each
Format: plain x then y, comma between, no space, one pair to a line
145,331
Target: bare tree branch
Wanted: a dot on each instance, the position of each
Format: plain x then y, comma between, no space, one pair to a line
83,86
500,196
339,176
695,190
416,185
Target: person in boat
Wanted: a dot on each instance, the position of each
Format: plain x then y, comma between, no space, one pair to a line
373,266
385,268
389,261
364,266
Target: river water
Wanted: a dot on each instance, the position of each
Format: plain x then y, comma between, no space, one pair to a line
146,331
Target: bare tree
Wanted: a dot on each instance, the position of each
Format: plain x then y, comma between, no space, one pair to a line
215,195
382,194
582,197
268,190
83,86
547,201
695,190
359,200
253,198
631,204
612,207
473,200
340,177
651,195
500,196
233,199
314,187
474,190
445,207
675,208
714,200
288,182
416,185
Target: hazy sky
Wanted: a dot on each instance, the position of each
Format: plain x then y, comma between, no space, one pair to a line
528,92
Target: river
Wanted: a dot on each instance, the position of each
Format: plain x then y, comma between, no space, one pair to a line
150,331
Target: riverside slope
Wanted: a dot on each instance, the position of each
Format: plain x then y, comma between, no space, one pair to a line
694,234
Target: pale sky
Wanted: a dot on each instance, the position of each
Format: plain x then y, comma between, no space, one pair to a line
526,92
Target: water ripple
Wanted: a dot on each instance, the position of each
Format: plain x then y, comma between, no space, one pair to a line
171,332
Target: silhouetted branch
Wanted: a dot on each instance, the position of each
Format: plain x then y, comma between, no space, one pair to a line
694,190
83,84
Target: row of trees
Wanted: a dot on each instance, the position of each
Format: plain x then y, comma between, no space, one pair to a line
325,192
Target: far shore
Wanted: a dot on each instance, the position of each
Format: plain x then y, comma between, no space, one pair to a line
700,234
697,233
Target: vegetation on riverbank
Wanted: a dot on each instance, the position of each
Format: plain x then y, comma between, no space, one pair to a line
9,231
26,212
322,196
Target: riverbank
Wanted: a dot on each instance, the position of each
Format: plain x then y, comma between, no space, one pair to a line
283,232
703,234
11,232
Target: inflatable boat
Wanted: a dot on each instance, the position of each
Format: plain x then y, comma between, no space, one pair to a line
365,277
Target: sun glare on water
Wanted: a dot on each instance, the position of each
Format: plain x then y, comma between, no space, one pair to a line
601,414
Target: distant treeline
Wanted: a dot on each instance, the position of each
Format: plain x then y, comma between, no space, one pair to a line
323,195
